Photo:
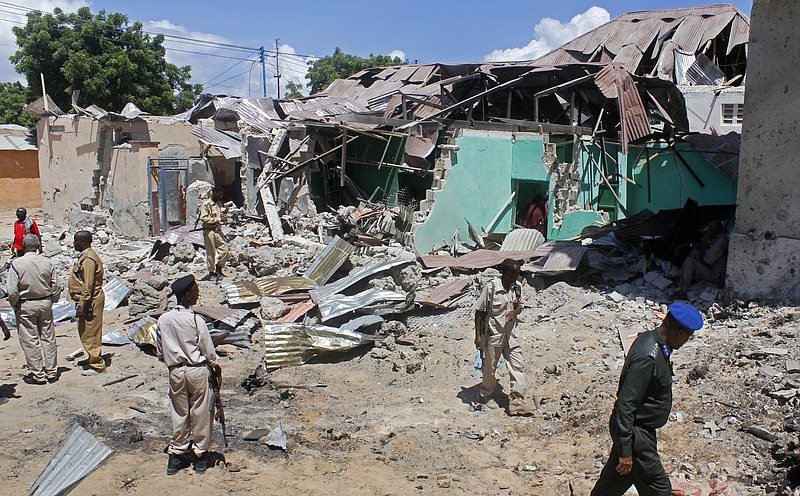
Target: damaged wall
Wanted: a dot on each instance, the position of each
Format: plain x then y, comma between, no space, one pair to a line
704,106
19,179
763,262
85,163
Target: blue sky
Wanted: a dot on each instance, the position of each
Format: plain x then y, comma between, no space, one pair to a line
420,30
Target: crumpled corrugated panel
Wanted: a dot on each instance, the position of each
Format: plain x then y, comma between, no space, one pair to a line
629,57
722,151
294,344
740,32
615,82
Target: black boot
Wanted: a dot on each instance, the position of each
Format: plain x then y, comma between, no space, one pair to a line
176,463
201,465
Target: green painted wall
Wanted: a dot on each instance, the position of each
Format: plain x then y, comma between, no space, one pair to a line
479,184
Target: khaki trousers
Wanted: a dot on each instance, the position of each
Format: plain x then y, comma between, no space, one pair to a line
216,249
38,338
191,410
91,334
693,267
497,345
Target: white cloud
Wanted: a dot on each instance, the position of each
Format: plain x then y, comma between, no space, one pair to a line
551,33
15,16
398,53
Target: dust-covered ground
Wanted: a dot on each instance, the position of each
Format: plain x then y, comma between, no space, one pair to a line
400,419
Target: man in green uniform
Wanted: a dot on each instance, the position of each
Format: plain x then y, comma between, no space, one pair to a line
644,400
86,290
210,215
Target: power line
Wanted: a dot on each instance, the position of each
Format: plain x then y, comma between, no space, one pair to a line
225,71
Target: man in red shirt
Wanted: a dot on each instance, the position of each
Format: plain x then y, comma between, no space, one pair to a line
24,225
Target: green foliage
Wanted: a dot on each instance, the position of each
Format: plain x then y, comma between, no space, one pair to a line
110,60
293,90
12,97
322,72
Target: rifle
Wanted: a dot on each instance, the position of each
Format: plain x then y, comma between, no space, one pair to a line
487,314
216,385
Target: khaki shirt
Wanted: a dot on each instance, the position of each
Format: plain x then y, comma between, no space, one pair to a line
717,254
86,279
502,303
31,277
210,214
183,339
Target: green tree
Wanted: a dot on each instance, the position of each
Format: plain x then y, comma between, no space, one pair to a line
108,59
293,90
324,71
12,97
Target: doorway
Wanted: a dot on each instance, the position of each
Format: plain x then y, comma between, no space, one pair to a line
167,180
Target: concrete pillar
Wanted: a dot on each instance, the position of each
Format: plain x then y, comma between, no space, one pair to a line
764,249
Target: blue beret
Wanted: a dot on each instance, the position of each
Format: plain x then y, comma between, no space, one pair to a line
686,315
182,285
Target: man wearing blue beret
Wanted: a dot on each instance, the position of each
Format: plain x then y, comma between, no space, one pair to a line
644,400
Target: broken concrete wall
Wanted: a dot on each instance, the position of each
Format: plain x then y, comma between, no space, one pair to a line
765,246
19,179
85,163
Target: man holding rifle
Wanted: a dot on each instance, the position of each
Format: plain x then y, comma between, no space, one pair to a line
496,314
184,345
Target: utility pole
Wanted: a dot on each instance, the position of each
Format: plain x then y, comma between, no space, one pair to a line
277,68
263,71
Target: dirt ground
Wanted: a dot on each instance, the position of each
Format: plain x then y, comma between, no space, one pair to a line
399,419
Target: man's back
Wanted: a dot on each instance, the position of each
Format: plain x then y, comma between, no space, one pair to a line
36,276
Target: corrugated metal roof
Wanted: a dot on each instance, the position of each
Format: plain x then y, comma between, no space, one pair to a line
689,34
229,316
439,296
368,269
629,57
522,240
13,142
329,261
558,258
703,72
79,455
421,74
722,151
229,144
616,82
274,286
740,33
478,259
337,305
37,108
242,293
116,290
420,146
294,344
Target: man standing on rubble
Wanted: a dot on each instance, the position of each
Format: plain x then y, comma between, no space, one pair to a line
23,226
644,400
86,290
32,284
184,345
216,247
500,303
707,260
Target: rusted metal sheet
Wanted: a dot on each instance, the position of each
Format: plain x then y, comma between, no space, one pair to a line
616,82
288,345
422,74
478,259
629,57
229,316
689,34
337,305
297,311
716,24
274,286
442,294
420,146
368,269
329,261
79,455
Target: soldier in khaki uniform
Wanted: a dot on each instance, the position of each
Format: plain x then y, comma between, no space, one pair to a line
216,247
184,345
32,285
86,289
500,303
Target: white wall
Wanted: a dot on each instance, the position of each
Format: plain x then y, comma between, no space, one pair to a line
704,107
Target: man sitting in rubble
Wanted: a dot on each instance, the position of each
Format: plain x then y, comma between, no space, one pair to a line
496,334
707,260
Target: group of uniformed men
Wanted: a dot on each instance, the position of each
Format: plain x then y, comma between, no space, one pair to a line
644,395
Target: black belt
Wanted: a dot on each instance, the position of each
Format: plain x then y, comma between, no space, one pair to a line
36,299
204,364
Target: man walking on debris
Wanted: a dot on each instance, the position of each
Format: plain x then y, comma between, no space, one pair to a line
32,285
644,400
496,314
707,260
216,248
22,227
184,345
86,289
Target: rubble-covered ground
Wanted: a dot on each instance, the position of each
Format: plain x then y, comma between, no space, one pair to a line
400,418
